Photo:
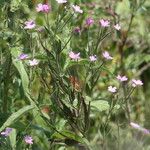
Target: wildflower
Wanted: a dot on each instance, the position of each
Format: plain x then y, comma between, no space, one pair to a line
39,7
122,78
29,24
104,23
43,8
28,139
74,56
138,127
93,58
77,9
107,55
33,62
134,125
112,89
136,83
61,1
117,27
77,30
23,56
89,21
6,132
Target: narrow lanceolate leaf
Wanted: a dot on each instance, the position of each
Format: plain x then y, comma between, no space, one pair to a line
12,138
15,116
23,74
100,105
20,67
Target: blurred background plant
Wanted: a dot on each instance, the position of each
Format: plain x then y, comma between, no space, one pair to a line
63,103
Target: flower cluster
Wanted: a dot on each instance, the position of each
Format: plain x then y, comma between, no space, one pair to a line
136,83
77,9
23,56
28,139
29,24
45,8
89,21
138,127
6,132
74,56
106,23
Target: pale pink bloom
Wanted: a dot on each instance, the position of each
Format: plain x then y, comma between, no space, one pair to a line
43,8
134,125
138,127
6,132
29,24
77,9
122,78
74,56
39,7
23,56
112,89
28,139
117,27
61,1
46,8
33,62
107,55
89,21
136,83
104,23
93,58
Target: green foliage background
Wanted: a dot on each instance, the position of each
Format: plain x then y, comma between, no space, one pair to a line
23,91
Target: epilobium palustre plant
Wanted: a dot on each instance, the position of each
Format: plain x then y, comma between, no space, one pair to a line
66,84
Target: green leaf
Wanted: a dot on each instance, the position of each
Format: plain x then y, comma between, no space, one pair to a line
20,67
14,5
100,105
15,116
123,8
23,74
69,135
72,136
71,63
12,138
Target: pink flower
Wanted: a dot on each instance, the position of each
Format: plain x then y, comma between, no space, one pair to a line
93,58
136,83
6,132
61,1
74,56
46,8
29,24
39,7
117,27
23,56
134,125
43,8
104,23
107,55
89,21
28,139
122,78
138,127
112,89
33,62
77,9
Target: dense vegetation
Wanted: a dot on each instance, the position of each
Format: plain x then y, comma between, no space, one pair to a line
74,75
